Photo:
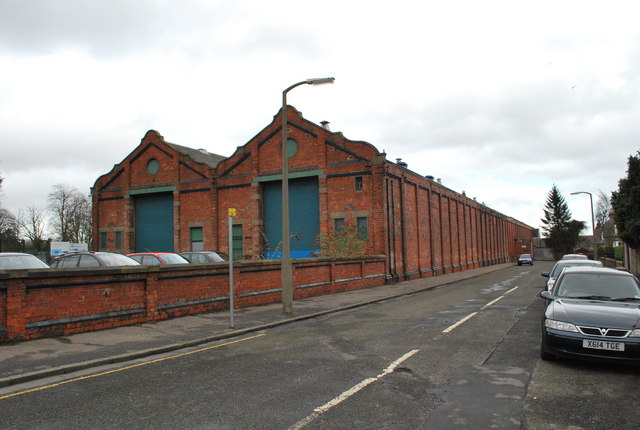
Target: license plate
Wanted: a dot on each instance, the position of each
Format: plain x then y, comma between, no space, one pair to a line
602,344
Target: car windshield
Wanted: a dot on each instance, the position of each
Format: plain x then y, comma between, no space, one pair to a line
525,256
10,262
117,260
215,257
605,286
561,265
173,259
575,257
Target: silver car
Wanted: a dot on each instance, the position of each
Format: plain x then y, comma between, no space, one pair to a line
563,264
19,260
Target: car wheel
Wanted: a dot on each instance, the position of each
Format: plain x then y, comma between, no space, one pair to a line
546,356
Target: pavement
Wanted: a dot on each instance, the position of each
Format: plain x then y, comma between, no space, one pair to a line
41,358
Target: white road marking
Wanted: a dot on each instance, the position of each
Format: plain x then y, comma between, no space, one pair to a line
350,392
459,323
468,317
491,303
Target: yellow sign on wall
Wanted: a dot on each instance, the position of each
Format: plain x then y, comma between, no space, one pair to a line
232,211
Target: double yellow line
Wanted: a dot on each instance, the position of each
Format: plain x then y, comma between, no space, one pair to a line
133,366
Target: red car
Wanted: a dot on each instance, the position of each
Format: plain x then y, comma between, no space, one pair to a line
154,258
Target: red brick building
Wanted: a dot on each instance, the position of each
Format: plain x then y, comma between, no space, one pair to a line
166,197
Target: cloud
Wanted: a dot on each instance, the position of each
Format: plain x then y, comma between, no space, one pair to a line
124,28
501,105
40,27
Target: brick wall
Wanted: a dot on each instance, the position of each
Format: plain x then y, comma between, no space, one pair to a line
431,229
423,227
41,303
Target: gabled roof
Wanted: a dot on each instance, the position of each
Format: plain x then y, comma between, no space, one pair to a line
201,156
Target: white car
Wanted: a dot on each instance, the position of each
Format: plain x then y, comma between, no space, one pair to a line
574,257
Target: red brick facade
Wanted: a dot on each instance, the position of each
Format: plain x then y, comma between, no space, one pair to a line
415,227
422,227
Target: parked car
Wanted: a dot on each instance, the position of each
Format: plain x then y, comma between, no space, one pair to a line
92,259
593,313
574,257
525,259
205,256
155,258
563,264
19,260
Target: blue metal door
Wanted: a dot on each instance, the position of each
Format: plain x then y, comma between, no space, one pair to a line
304,216
154,222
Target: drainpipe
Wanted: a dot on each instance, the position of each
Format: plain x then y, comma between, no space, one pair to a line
388,217
403,229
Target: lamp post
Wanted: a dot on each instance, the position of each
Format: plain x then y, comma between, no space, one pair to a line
287,276
593,224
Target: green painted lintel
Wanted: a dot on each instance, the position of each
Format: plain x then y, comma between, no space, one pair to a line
293,175
152,190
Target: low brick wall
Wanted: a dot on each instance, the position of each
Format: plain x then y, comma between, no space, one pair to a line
41,303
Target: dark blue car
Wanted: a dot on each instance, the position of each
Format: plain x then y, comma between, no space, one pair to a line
592,313
525,259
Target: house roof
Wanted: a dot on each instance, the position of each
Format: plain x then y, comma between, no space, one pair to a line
198,155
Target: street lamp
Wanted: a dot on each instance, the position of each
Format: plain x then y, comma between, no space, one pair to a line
593,224
287,276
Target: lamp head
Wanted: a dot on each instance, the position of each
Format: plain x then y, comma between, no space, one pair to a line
580,192
320,81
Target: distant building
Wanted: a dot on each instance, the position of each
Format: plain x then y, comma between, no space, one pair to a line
166,197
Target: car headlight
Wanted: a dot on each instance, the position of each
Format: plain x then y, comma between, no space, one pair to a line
563,326
635,333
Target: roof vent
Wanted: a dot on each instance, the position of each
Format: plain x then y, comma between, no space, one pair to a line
204,151
399,162
430,177
325,125
439,180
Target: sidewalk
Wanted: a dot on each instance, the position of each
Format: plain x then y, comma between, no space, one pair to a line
40,358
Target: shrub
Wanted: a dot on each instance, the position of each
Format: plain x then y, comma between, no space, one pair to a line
342,243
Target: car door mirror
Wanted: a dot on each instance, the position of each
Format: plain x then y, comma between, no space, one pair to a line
545,274
546,295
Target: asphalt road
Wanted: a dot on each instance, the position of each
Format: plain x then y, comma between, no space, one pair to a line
464,355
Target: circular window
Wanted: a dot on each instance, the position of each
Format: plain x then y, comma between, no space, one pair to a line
153,166
292,148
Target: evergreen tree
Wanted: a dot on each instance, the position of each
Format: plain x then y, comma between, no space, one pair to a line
626,204
560,231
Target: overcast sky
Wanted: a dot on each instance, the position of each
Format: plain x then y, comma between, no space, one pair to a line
500,99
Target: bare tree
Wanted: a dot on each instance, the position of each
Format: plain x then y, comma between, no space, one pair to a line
71,212
7,220
9,231
60,206
603,208
32,223
80,223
